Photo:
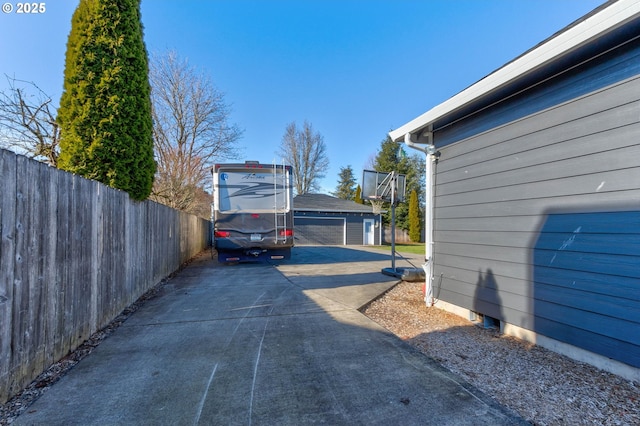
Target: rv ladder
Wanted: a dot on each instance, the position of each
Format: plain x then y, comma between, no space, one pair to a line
280,214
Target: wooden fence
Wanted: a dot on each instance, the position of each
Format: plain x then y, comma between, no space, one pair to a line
74,253
402,236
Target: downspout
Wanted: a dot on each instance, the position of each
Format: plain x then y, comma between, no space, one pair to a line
431,157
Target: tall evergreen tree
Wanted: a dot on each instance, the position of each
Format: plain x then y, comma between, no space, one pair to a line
358,197
105,109
346,188
414,217
391,157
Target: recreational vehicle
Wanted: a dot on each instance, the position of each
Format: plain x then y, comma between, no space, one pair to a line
252,211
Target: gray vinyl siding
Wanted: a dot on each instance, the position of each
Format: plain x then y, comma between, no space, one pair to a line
554,85
537,221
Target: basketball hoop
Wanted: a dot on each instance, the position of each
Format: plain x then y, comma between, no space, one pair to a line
376,206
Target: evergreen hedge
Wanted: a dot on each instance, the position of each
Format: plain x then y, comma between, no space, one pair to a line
105,109
415,225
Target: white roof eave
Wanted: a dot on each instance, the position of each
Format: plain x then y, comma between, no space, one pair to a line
595,26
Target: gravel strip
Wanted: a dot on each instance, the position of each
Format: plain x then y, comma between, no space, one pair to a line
542,386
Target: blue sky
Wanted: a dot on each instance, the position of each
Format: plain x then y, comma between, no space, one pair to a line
354,69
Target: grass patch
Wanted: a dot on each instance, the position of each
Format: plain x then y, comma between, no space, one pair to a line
404,248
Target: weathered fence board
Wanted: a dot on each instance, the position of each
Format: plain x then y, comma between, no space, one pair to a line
73,254
7,259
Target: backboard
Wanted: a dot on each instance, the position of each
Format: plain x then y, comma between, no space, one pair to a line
383,186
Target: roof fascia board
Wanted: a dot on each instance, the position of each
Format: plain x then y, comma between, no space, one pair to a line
595,26
302,209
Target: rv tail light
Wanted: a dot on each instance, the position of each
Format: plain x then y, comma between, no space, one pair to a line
286,233
222,234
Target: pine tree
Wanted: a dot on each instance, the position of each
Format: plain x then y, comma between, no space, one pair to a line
105,109
414,217
346,184
391,157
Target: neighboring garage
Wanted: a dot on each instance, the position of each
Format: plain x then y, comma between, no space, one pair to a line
321,219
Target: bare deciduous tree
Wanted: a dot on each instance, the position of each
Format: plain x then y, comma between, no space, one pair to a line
305,150
191,129
28,122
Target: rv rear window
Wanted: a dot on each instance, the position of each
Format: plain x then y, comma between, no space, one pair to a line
251,191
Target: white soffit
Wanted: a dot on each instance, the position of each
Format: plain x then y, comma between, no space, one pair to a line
594,26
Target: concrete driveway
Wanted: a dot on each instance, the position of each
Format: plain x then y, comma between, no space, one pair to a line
258,344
